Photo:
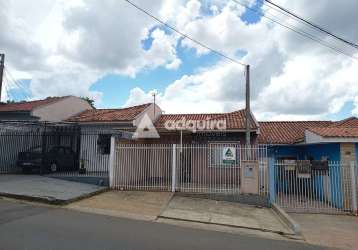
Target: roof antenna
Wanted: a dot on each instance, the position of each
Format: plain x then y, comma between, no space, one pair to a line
2,65
154,94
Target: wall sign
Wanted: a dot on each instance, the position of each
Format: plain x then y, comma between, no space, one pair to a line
229,155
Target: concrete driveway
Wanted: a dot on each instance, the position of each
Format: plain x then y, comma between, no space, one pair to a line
44,189
338,231
142,205
225,213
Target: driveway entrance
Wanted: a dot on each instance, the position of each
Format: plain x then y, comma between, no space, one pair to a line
49,190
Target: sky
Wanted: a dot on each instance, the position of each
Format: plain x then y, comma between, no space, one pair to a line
111,52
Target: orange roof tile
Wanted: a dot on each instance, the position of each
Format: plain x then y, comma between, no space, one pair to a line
349,122
28,106
109,115
286,132
234,120
335,131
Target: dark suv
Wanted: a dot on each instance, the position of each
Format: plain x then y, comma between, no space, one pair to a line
58,158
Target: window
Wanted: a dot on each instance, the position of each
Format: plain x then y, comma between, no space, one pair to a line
104,144
223,154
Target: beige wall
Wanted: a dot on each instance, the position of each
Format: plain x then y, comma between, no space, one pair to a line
153,112
348,153
61,110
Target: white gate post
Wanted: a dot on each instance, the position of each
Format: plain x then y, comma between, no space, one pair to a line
174,168
111,161
353,187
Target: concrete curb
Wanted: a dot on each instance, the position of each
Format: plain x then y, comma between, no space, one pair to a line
51,200
291,223
165,206
223,224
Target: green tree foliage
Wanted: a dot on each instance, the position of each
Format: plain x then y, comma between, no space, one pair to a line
89,100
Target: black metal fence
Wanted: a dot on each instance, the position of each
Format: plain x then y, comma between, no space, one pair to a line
54,149
26,146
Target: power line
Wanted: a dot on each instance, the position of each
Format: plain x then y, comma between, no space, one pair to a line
6,88
26,93
310,23
298,31
13,95
185,35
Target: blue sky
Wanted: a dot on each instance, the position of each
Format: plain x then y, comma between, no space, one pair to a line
282,62
116,88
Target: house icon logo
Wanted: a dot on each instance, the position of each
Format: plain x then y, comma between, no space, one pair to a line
229,153
145,129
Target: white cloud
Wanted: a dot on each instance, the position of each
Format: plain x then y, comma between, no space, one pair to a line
66,46
69,45
107,36
292,77
217,89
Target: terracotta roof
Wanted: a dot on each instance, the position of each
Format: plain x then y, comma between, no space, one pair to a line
349,122
28,106
234,120
336,131
287,132
109,115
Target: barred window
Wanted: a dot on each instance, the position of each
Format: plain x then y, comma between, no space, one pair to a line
104,144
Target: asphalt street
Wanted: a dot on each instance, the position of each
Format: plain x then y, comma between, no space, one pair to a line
25,226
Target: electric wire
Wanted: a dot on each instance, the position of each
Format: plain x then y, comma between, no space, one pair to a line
185,35
298,31
307,22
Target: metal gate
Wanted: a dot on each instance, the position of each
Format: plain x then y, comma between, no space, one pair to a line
20,141
32,145
194,168
329,187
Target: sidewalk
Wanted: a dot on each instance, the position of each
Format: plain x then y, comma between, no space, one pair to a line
44,189
128,204
225,213
338,231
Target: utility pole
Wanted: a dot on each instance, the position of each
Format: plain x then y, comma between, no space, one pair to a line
2,65
247,110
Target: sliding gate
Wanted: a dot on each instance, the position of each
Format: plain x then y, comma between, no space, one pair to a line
194,168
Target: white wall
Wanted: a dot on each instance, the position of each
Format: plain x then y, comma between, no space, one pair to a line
94,160
61,110
153,112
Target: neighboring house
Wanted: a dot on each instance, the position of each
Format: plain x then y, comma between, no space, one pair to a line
52,109
22,126
98,125
336,142
316,140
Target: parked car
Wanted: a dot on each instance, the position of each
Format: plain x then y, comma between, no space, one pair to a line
58,158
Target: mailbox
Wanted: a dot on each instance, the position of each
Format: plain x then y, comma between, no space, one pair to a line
249,177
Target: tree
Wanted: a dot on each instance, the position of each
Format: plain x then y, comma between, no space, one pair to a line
89,100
